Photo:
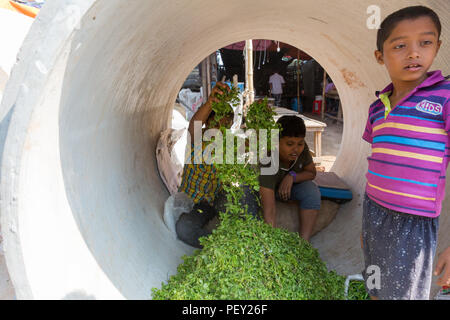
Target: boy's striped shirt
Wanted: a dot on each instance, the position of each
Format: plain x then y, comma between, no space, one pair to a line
410,148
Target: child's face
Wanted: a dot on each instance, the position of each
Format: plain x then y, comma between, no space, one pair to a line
410,50
291,147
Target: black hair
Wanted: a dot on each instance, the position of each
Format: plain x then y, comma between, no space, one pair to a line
408,13
292,126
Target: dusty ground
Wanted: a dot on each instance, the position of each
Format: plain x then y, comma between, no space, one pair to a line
331,140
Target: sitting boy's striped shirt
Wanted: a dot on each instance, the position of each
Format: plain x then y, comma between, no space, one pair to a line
410,148
199,181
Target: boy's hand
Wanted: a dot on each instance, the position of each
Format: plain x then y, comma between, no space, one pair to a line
204,111
443,263
219,89
284,190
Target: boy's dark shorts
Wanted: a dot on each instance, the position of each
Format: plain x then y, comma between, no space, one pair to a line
402,246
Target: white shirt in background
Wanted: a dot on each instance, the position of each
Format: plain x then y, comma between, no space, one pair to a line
276,80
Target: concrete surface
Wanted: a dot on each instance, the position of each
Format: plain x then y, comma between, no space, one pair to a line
331,140
13,29
81,200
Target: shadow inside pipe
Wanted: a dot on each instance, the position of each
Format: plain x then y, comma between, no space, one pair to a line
79,295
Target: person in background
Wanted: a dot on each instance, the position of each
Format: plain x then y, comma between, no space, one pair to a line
276,83
330,88
331,95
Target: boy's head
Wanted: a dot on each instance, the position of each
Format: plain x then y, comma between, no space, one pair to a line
408,41
292,137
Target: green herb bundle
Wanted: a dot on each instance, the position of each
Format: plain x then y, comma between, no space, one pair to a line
233,176
357,291
224,106
260,116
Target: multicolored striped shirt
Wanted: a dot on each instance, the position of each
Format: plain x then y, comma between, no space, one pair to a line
410,148
199,181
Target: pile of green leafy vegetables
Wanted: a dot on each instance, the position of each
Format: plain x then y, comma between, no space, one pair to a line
245,258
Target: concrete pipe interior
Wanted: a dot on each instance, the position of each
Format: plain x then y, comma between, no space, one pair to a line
95,82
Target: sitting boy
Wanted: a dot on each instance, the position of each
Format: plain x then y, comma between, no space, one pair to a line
199,180
293,180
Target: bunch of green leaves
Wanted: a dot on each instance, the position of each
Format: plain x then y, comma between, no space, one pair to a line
260,116
245,258
357,291
224,106
233,176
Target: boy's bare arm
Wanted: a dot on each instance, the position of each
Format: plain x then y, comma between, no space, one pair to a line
443,265
309,173
268,205
201,115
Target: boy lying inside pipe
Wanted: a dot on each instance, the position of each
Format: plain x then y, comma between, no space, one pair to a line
293,180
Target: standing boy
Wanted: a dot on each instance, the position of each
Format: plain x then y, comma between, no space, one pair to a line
293,180
408,129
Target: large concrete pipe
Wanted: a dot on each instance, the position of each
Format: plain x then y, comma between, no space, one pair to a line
13,29
95,83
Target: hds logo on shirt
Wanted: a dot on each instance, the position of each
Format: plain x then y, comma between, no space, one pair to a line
429,107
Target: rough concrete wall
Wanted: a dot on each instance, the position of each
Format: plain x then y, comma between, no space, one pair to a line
13,29
81,198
